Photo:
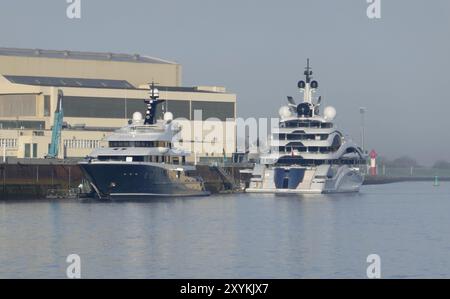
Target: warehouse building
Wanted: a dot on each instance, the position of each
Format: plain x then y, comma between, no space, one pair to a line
101,92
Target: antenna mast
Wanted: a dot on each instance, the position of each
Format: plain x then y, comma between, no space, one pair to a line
150,114
307,95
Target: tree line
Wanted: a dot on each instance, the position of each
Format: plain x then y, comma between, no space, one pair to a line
406,161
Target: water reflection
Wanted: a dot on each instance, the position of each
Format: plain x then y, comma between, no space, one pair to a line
232,236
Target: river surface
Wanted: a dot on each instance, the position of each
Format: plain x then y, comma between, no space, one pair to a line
233,236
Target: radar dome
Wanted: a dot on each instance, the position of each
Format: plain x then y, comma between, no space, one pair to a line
155,91
285,112
329,113
168,116
137,117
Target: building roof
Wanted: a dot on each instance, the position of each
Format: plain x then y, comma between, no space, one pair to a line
99,56
94,83
185,89
69,82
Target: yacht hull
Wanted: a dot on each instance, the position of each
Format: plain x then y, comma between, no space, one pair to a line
141,180
298,180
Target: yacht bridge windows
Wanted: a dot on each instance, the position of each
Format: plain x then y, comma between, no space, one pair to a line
290,161
300,136
176,160
299,147
299,123
307,149
140,144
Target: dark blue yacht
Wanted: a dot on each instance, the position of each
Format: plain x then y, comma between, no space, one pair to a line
140,160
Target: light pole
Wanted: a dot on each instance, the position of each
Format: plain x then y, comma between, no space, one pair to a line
4,151
362,111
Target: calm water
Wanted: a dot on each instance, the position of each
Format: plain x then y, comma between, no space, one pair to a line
234,236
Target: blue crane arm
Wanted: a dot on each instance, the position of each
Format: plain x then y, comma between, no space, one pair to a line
57,127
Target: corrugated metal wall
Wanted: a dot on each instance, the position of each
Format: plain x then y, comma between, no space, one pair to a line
17,105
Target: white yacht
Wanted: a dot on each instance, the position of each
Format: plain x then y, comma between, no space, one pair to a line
308,154
141,161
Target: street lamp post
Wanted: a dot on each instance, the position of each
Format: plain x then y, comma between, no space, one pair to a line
362,111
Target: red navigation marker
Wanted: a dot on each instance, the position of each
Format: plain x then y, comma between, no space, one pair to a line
373,163
373,154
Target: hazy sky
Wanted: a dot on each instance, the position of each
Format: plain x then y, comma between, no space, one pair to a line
397,66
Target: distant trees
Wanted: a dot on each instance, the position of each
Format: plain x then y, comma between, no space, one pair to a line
401,162
441,164
407,162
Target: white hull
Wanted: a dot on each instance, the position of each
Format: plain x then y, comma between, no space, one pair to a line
312,180
312,191
282,191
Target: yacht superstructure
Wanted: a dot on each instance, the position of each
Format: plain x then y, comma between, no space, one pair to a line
141,161
307,152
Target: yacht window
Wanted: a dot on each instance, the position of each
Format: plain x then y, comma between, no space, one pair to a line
111,158
119,144
134,143
293,136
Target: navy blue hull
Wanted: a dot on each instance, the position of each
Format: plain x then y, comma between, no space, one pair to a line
140,180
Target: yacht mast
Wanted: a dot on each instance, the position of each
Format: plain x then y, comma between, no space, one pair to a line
152,103
307,94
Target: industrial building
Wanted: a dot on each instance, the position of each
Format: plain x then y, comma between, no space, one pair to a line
101,92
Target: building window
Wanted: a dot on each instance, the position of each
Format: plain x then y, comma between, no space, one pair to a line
80,143
179,109
220,110
35,148
31,150
27,150
124,108
22,124
8,143
17,105
46,105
